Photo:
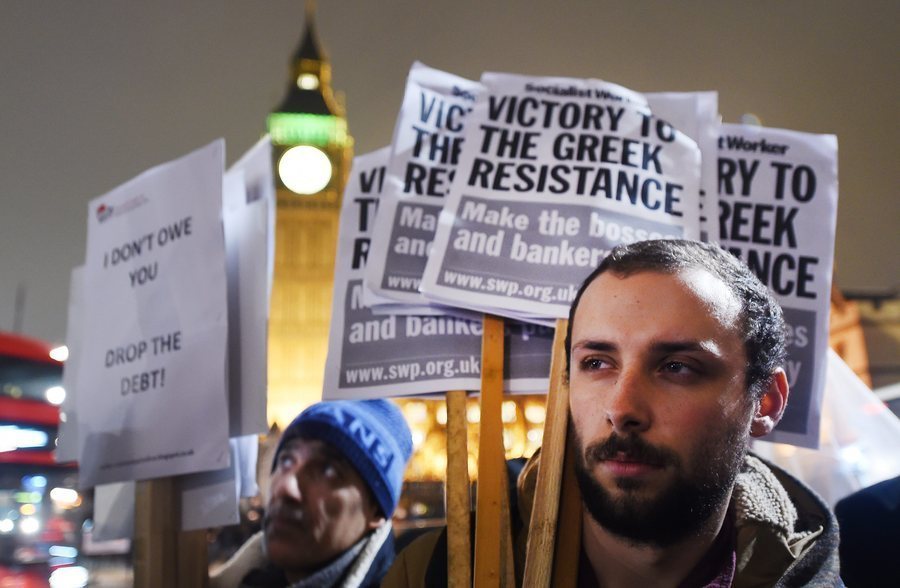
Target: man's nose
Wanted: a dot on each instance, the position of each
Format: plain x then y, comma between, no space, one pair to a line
627,404
288,484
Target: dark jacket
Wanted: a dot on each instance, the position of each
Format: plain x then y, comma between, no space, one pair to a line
870,535
248,568
785,535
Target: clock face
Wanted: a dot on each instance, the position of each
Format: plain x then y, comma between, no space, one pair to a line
304,169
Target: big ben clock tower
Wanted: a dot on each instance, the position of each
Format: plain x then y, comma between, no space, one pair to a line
311,156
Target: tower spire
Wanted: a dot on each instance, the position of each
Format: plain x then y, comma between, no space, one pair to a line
310,91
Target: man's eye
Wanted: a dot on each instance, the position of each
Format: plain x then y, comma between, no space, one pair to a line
285,460
590,364
678,367
323,468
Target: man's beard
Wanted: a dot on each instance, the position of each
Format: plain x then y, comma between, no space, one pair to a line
679,510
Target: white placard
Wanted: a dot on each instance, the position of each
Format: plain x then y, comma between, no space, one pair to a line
247,230
376,355
67,443
554,172
777,212
373,356
151,388
696,114
428,139
256,164
113,512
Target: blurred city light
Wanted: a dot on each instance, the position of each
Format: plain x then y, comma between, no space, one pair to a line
60,353
66,551
55,395
69,577
29,525
65,497
13,437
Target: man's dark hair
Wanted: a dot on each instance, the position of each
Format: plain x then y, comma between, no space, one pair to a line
761,319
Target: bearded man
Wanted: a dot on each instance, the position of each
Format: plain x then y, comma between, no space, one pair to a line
675,353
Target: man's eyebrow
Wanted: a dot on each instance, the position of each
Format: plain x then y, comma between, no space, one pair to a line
332,453
702,346
593,345
660,347
320,448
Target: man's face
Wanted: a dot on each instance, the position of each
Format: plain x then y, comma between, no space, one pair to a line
318,507
658,402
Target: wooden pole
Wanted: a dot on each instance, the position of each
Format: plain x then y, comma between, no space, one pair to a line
543,524
489,548
568,543
156,525
459,555
163,554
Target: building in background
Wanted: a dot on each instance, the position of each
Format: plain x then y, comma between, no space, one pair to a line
312,151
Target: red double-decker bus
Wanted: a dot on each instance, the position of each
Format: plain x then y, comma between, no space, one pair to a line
41,509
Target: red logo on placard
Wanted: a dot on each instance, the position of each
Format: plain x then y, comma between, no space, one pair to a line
104,212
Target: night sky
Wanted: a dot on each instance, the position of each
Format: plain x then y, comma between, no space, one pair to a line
96,91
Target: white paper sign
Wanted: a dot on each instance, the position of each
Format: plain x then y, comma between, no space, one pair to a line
256,164
373,356
113,512
428,138
777,212
247,232
151,389
696,114
67,443
554,172
212,499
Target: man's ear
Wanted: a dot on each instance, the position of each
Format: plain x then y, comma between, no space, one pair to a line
374,517
771,405
375,520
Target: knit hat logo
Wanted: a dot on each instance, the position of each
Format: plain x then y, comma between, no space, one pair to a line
366,438
369,439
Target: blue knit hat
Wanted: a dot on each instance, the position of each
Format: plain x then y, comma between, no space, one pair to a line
371,434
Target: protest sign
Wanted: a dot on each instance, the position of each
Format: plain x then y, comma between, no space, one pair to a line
212,499
696,114
777,212
67,443
259,181
151,391
246,214
554,172
428,138
372,355
113,513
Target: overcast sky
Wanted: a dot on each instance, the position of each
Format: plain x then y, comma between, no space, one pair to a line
93,92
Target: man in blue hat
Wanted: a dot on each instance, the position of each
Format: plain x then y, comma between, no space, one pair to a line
336,480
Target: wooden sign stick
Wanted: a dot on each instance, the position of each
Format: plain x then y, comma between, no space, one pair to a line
490,550
542,527
459,555
568,544
163,554
155,530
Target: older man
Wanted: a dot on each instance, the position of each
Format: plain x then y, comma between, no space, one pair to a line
336,480
675,354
